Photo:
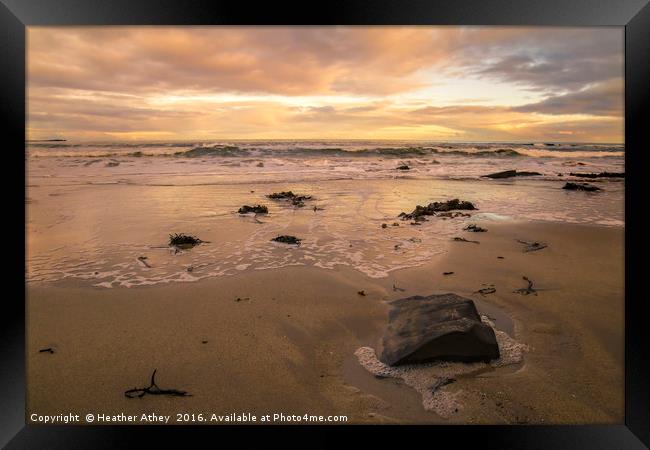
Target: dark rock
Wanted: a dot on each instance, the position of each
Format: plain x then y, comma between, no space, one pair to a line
510,174
383,225
432,208
403,167
599,175
362,293
438,327
286,239
257,209
580,187
447,273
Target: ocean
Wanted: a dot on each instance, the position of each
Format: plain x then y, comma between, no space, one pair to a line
94,209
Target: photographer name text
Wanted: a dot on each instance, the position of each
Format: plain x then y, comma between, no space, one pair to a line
154,418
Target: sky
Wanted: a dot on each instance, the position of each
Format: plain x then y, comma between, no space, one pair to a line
435,83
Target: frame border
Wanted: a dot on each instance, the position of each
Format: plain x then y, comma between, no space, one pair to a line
634,15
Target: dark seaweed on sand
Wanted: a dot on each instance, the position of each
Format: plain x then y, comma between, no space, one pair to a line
183,239
296,200
475,228
287,239
153,389
283,194
436,207
257,209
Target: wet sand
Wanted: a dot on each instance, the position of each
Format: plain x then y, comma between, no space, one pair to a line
287,346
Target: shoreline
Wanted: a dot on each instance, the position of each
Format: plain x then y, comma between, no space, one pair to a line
295,330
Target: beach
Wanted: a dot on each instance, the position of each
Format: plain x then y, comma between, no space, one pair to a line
250,326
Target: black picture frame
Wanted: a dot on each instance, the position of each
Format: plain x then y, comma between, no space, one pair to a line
634,15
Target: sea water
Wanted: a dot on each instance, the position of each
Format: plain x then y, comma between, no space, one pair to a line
93,209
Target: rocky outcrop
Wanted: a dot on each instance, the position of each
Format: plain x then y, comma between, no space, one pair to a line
510,174
580,187
437,327
599,175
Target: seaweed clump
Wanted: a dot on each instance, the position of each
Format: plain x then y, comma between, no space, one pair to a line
183,240
296,200
475,228
286,239
432,208
153,389
257,209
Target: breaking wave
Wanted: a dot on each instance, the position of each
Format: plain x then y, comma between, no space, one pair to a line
332,149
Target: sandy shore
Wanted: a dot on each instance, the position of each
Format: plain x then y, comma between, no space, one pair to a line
287,346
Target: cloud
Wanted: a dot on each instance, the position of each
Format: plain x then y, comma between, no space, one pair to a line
601,99
544,58
313,82
280,60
